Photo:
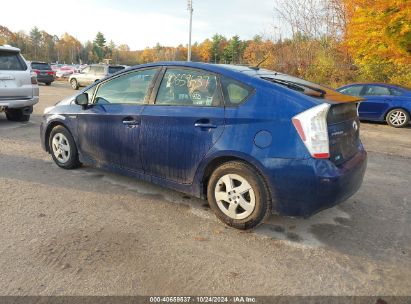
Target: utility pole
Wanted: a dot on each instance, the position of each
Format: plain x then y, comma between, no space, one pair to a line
190,9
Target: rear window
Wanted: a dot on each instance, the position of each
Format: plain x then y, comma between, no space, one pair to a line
11,61
115,69
40,66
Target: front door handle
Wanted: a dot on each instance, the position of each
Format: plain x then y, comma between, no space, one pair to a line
205,125
130,122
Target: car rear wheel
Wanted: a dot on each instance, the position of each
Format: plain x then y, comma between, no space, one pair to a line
398,118
48,83
63,148
17,115
74,84
238,195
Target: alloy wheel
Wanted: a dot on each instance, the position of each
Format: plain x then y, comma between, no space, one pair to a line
234,196
398,118
61,147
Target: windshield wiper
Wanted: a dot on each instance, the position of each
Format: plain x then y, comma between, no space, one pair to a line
297,86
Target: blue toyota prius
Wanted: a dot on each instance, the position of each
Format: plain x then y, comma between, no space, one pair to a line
250,141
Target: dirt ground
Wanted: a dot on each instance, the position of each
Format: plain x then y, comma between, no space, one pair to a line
89,232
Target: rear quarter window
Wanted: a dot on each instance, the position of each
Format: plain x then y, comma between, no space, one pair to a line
11,61
235,92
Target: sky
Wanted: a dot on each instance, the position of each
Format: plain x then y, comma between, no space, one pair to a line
139,23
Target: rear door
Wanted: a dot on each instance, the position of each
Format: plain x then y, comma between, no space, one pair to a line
377,99
15,79
109,130
182,124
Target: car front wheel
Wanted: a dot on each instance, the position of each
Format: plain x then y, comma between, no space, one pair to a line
238,195
63,148
74,84
398,118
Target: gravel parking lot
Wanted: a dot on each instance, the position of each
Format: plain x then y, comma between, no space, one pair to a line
89,232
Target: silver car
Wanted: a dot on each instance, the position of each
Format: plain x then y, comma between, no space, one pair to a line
92,73
18,85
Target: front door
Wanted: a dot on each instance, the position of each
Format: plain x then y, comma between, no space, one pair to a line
182,125
109,130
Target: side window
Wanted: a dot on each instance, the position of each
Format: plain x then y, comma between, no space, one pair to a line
353,91
189,87
234,91
130,88
86,70
373,90
99,70
395,92
92,70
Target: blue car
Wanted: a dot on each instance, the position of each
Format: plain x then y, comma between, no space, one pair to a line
382,102
250,141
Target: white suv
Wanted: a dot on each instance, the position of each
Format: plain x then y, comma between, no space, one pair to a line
18,85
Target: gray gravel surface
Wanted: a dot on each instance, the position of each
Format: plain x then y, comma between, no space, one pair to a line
89,232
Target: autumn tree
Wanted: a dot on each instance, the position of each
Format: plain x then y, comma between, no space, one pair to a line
6,36
378,37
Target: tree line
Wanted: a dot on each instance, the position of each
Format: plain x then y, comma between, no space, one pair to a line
329,41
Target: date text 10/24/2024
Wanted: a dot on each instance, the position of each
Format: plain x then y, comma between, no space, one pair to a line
203,299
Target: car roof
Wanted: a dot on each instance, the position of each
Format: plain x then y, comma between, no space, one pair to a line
388,85
9,48
202,65
376,83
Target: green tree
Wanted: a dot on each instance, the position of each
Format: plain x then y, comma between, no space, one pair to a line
35,37
217,47
99,46
233,50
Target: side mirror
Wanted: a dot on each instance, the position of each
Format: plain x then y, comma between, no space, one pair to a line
82,100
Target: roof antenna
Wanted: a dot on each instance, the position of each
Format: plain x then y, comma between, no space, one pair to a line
257,67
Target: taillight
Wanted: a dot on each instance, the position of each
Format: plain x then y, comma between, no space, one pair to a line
33,76
36,71
311,125
50,73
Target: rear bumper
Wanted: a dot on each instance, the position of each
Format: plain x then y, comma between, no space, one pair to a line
45,78
305,187
19,103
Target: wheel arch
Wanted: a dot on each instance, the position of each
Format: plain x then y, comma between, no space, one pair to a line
50,127
217,161
393,108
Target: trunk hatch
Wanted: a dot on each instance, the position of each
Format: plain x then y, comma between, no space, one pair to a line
343,131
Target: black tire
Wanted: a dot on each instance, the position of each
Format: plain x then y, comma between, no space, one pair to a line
48,83
263,204
17,115
397,123
73,161
74,84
